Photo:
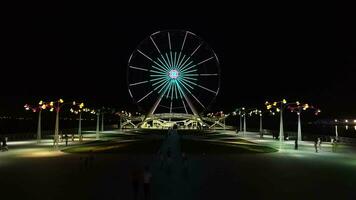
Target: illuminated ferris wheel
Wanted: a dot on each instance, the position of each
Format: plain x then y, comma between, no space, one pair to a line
173,71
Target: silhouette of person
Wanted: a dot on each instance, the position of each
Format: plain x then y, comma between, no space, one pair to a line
66,138
316,145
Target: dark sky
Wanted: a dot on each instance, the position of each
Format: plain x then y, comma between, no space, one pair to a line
301,52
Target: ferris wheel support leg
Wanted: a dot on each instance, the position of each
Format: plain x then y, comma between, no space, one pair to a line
153,109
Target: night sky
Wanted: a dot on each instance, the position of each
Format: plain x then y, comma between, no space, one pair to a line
304,53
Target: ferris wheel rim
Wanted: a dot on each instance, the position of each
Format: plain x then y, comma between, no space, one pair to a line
201,41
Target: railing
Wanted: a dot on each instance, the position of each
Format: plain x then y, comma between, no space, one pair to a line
48,134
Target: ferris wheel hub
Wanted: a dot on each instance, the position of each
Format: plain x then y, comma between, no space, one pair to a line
173,74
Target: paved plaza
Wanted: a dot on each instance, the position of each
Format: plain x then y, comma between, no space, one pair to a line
38,171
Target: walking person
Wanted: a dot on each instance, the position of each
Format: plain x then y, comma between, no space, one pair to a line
66,138
147,183
316,145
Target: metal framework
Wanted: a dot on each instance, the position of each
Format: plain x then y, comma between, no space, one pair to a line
173,71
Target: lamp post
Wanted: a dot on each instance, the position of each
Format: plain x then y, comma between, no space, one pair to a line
78,110
57,106
240,112
261,129
97,124
103,111
38,108
298,108
102,122
336,133
279,105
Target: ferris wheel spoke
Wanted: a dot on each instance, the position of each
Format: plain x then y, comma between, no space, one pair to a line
197,100
169,41
206,60
147,57
155,45
164,65
185,108
157,75
172,61
138,68
188,72
159,69
145,96
212,91
172,91
157,72
192,95
166,90
161,86
208,74
138,83
185,75
169,89
185,37
168,61
190,78
175,59
175,90
183,63
180,61
158,81
184,67
185,83
196,49
164,87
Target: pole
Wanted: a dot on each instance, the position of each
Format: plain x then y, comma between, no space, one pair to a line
299,128
56,130
244,124
120,123
39,127
261,130
102,122
240,123
281,132
336,133
80,127
97,125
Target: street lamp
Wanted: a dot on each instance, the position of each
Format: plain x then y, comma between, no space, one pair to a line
57,107
298,108
336,133
104,110
79,109
279,106
240,112
38,108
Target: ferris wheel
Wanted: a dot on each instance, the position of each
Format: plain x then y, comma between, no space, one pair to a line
173,71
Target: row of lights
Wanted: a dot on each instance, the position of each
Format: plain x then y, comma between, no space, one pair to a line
346,121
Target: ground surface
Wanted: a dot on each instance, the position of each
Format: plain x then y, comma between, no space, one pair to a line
218,166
